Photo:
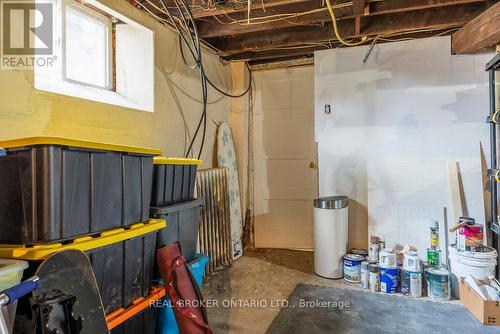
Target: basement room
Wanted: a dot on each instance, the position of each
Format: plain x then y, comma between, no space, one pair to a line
254,167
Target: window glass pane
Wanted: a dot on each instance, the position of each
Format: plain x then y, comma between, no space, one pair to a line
86,48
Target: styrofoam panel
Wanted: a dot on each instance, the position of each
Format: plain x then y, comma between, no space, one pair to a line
397,122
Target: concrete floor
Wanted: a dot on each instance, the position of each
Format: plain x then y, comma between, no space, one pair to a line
246,297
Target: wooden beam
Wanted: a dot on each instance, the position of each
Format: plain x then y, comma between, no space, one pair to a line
480,33
432,19
358,9
266,4
272,55
229,9
280,53
209,27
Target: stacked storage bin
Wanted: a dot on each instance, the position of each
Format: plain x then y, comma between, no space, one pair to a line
173,199
58,193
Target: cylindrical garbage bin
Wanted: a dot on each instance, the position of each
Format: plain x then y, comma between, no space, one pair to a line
330,235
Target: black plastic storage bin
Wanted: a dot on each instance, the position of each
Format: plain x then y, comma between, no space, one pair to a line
173,180
124,270
183,221
123,261
54,189
141,323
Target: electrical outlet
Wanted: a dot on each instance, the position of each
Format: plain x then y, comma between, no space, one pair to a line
237,249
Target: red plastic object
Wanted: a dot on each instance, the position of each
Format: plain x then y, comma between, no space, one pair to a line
183,291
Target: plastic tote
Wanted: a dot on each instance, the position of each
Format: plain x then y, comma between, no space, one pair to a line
54,189
165,319
123,260
11,273
139,318
183,221
330,235
173,180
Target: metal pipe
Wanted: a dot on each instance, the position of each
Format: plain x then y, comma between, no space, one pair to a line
493,148
493,158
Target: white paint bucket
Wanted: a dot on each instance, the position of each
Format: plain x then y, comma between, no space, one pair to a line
387,258
479,264
411,262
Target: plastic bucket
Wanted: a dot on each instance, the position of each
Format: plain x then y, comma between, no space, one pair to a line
11,273
479,264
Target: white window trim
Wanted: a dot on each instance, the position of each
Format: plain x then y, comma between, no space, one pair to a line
109,54
86,92
59,86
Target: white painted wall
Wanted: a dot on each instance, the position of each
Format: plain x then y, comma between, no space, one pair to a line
396,123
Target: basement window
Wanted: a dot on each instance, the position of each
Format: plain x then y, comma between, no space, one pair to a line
100,55
87,46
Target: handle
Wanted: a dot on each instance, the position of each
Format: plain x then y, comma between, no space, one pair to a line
456,227
21,289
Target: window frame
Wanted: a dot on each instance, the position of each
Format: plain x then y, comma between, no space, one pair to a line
94,14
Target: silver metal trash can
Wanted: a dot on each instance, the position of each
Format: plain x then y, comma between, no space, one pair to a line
330,235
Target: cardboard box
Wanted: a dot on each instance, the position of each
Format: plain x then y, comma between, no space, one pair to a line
486,311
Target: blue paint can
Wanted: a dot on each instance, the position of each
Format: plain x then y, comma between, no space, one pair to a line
389,279
352,268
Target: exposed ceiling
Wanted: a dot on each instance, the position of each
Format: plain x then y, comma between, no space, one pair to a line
270,30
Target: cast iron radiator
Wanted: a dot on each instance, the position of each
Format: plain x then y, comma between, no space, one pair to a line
215,224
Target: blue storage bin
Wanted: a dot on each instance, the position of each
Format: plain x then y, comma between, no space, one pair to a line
165,319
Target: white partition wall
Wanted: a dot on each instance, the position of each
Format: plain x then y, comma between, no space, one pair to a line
396,123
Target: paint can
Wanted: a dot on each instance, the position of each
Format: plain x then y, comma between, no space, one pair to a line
438,283
374,278
411,262
352,268
365,275
389,279
411,283
387,258
480,264
359,251
433,257
470,238
373,251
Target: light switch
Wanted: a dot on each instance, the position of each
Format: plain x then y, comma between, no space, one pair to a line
328,109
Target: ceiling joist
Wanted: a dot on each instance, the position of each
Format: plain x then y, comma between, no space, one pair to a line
481,32
275,29
386,26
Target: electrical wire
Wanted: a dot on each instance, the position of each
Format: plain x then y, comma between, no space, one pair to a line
189,38
209,47
277,17
336,30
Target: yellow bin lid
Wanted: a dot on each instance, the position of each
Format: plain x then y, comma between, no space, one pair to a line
176,161
42,251
60,141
